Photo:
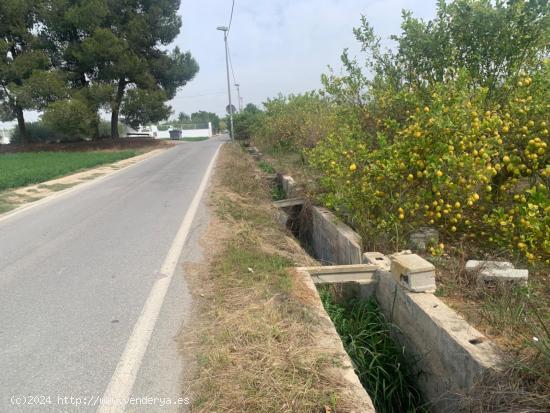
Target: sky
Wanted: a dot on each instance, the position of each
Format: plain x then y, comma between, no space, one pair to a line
277,46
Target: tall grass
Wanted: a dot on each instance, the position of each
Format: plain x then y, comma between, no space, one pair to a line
20,169
378,360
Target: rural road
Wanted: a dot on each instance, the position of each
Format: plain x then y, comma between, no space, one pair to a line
92,298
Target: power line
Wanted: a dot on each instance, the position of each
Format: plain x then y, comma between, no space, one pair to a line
231,65
231,17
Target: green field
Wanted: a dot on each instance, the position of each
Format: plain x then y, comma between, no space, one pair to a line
21,169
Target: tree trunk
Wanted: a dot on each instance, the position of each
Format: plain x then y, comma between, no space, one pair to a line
22,126
116,108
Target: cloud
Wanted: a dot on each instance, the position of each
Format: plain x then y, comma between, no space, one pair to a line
277,46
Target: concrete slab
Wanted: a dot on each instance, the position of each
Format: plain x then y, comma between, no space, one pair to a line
511,274
478,265
291,202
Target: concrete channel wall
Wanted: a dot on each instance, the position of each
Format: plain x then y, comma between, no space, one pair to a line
332,241
450,355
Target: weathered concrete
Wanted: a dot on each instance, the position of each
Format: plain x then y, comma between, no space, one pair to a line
413,272
510,275
420,239
475,265
357,397
287,203
288,185
496,271
378,259
332,241
342,273
451,355
448,353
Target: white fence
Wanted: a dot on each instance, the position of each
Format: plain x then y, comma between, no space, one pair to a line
154,132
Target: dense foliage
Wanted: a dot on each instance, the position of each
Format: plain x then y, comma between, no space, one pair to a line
88,56
449,129
245,122
295,122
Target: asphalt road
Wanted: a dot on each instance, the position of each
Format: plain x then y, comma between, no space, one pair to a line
75,274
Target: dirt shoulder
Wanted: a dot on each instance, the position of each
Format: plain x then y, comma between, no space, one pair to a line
257,336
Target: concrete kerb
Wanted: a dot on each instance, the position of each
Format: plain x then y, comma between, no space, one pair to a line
331,342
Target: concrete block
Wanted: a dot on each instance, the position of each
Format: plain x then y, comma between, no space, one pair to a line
510,274
378,259
413,272
423,237
288,184
476,265
488,271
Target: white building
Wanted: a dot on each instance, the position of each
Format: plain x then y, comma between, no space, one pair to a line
153,132
5,136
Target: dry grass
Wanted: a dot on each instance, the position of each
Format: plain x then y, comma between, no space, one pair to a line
516,318
255,332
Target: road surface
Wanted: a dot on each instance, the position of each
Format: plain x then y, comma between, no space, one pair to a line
82,278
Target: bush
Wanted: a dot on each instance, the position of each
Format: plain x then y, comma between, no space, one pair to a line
245,124
105,129
38,132
295,122
476,172
72,119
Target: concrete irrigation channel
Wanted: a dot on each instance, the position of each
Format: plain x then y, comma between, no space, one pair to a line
451,355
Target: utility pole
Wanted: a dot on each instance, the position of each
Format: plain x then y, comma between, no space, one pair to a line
225,30
239,97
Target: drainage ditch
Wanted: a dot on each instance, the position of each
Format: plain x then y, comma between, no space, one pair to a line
387,376
389,331
379,361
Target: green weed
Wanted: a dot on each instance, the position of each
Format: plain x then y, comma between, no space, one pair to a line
266,167
377,359
21,169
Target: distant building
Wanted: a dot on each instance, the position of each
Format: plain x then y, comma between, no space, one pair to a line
5,136
187,131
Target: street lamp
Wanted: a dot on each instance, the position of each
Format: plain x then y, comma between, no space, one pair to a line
225,30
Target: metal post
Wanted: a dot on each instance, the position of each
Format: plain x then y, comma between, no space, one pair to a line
232,131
